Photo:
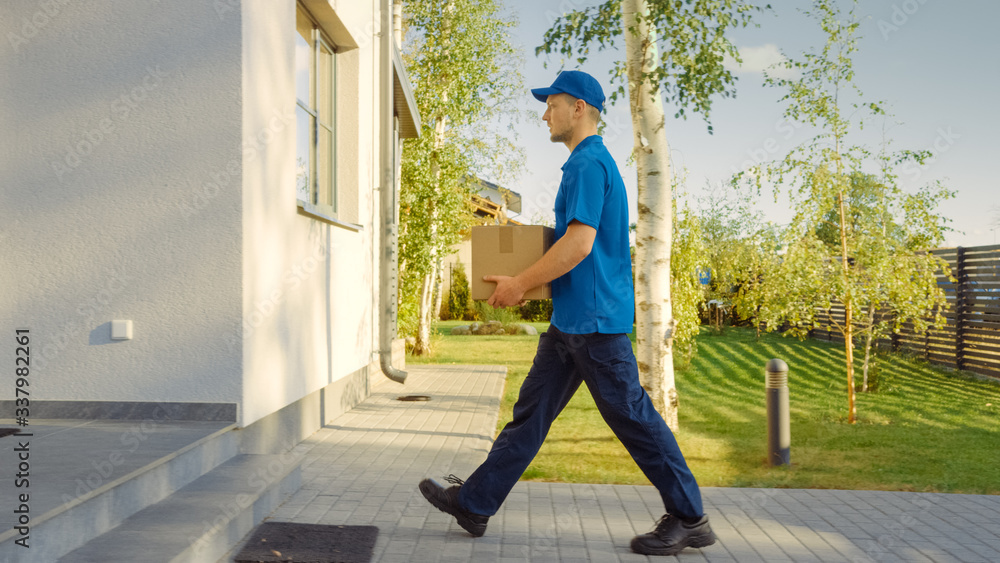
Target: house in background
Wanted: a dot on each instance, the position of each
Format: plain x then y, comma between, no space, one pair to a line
217,180
491,205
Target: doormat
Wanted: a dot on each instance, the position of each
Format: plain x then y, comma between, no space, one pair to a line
288,542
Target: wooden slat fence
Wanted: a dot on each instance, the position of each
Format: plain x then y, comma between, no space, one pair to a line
970,337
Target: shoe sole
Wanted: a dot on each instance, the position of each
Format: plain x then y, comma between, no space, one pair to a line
429,488
699,541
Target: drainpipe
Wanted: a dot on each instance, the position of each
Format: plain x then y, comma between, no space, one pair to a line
388,256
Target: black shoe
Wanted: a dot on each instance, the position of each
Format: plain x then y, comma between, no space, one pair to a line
672,535
446,500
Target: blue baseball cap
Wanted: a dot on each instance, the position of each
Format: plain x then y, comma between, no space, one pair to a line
575,83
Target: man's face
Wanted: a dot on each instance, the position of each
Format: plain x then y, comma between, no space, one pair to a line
559,117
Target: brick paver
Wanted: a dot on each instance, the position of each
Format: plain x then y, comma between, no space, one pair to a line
363,469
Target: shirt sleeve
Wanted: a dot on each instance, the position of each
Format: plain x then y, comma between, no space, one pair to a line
584,183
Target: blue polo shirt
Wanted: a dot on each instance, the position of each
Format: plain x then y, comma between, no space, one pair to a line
597,294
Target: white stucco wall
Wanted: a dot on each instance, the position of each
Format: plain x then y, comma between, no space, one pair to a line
121,199
307,312
147,164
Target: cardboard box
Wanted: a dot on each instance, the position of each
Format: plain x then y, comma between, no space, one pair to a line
507,251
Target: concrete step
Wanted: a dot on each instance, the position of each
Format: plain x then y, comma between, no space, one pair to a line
84,482
204,520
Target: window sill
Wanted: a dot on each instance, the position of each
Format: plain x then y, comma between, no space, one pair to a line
310,210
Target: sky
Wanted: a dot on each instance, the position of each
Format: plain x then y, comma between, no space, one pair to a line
936,63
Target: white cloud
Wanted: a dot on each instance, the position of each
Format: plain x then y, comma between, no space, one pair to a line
759,59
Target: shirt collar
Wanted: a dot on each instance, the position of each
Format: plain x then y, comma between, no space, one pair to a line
591,140
587,142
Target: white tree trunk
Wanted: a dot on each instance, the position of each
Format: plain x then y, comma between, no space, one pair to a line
422,345
427,296
654,316
438,288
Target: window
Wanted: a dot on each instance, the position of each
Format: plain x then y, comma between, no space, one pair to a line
315,116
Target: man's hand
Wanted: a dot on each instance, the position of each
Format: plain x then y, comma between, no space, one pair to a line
508,292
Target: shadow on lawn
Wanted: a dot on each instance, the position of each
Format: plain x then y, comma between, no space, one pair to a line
933,431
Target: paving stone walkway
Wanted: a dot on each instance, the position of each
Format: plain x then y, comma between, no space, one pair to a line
363,469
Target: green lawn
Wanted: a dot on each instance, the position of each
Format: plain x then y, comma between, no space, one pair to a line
932,430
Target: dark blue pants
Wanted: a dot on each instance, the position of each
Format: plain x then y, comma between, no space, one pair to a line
604,362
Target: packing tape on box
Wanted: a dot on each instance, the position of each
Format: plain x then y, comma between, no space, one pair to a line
506,240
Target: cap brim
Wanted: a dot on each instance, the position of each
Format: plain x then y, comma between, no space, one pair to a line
542,94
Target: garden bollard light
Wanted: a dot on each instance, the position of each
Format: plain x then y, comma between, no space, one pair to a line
779,435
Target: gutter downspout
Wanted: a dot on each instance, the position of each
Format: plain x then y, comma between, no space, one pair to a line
388,256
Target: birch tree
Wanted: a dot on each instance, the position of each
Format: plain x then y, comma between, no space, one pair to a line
854,240
888,232
464,70
674,51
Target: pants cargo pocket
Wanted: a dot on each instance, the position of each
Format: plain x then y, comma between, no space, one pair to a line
612,368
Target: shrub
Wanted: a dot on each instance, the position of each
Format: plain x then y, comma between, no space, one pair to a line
509,317
458,297
537,310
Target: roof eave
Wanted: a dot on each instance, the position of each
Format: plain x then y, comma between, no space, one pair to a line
404,103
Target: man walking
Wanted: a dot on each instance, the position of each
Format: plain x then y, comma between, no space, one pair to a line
590,269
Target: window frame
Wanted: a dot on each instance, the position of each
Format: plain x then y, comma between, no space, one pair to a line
322,171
